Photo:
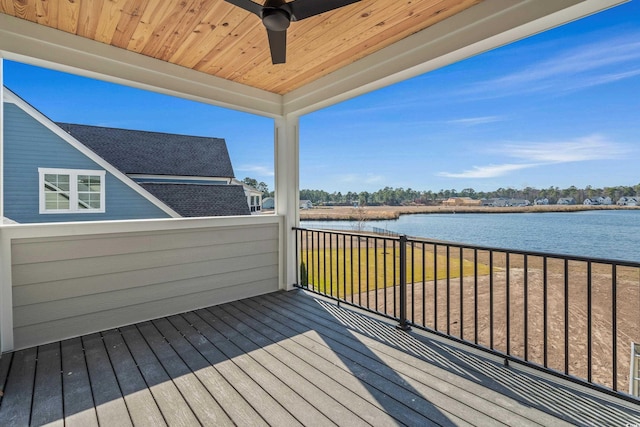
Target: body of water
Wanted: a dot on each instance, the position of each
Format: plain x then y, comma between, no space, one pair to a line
597,234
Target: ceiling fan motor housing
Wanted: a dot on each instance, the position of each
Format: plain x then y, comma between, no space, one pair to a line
276,19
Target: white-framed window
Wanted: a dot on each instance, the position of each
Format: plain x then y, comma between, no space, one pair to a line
71,191
634,378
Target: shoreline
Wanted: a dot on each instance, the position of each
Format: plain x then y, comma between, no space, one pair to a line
371,213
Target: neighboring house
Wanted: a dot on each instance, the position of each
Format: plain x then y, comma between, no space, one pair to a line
254,196
595,201
306,204
268,203
566,201
543,201
64,172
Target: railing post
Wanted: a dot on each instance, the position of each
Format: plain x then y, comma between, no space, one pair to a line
403,325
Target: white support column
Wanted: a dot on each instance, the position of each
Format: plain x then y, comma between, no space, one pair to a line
287,161
6,298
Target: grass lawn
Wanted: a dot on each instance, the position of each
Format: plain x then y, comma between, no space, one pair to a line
339,272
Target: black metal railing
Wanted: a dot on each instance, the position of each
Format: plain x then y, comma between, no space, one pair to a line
575,317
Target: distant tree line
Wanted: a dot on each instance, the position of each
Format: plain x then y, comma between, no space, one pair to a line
400,196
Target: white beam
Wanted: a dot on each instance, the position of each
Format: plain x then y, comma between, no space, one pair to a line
287,194
42,46
483,27
6,299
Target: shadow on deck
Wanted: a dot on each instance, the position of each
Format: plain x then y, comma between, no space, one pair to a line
282,359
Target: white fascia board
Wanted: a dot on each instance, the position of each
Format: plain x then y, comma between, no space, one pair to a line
486,26
34,44
12,98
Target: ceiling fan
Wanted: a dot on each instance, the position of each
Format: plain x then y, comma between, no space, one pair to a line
277,15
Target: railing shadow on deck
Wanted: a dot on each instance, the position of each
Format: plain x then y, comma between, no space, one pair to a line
573,317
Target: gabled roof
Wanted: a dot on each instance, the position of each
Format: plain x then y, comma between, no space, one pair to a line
155,153
196,200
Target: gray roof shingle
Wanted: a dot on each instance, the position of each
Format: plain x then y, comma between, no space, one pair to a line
155,153
194,200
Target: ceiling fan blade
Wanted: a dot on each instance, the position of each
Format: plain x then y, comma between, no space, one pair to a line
278,46
247,5
301,9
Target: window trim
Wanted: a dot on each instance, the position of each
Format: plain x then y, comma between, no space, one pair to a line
73,190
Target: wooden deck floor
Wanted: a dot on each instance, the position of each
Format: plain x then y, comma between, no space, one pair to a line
282,359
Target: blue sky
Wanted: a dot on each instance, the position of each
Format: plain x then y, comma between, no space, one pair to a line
558,109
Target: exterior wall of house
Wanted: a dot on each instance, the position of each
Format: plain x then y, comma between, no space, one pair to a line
68,280
28,146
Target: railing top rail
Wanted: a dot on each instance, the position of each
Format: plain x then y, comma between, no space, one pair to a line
567,257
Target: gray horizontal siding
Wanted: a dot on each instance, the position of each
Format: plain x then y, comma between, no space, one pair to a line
69,286
29,145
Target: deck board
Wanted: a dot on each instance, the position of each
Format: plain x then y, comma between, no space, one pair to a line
79,407
110,406
18,391
282,359
139,400
47,394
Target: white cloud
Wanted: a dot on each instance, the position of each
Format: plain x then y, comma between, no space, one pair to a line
256,169
490,171
569,69
473,121
594,147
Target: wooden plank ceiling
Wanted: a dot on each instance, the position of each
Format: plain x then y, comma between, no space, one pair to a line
217,38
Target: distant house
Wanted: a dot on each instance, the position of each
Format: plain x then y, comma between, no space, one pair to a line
496,202
462,201
595,201
542,201
566,201
518,202
628,201
66,172
306,204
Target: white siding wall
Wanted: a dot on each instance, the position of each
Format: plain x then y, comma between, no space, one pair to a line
78,281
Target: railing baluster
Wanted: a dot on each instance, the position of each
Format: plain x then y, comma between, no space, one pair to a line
566,316
526,307
403,325
461,295
366,269
435,287
614,324
475,295
384,273
375,270
491,300
424,286
395,278
589,321
508,303
413,275
544,312
448,290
